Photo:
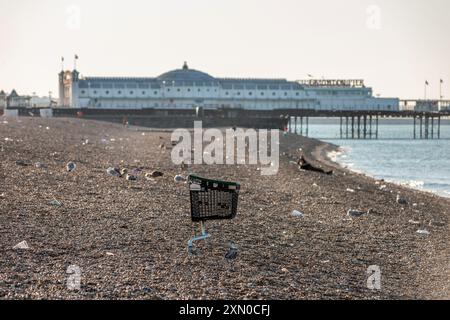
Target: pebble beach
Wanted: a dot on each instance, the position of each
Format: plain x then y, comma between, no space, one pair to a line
129,237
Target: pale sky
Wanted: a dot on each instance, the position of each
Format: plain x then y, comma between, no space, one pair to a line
395,54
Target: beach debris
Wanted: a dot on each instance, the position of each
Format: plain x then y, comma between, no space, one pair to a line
40,165
8,140
71,166
355,213
113,172
130,177
110,254
184,166
55,203
383,187
297,214
435,223
154,174
372,211
22,246
232,252
22,163
123,171
162,146
413,221
179,179
401,200
350,190
424,232
285,270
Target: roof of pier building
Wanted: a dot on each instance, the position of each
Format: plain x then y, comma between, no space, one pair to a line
188,77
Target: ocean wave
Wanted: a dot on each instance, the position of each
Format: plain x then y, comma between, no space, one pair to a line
416,184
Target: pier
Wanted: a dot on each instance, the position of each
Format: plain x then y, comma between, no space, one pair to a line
352,124
365,124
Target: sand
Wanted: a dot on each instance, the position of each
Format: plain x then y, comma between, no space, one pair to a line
129,238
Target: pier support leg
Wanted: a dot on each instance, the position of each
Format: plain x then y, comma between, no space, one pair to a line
432,127
365,127
340,127
439,127
376,132
301,126
296,125
370,126
421,127
307,126
353,127
426,127
346,127
359,127
414,129
290,124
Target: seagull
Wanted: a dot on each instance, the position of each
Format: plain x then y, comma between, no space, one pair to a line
71,166
232,252
131,177
113,172
179,178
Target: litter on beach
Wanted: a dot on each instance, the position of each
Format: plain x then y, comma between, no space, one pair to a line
297,214
424,232
55,203
22,246
355,213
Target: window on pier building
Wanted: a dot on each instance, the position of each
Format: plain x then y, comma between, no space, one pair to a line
250,93
107,92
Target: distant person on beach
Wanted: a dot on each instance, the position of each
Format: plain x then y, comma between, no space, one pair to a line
305,165
125,122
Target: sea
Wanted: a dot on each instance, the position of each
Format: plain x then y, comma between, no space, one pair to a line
395,156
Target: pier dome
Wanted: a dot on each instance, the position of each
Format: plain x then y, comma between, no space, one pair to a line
186,74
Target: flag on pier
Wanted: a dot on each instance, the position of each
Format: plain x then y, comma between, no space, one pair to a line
426,82
442,81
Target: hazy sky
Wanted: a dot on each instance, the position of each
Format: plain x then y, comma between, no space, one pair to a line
395,45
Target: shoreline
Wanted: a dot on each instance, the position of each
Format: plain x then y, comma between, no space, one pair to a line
129,237
329,154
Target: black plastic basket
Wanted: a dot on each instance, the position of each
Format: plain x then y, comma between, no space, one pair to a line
213,199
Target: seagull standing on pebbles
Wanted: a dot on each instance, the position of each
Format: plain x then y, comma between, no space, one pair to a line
71,166
232,252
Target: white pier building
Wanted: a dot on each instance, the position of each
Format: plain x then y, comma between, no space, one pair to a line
186,88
